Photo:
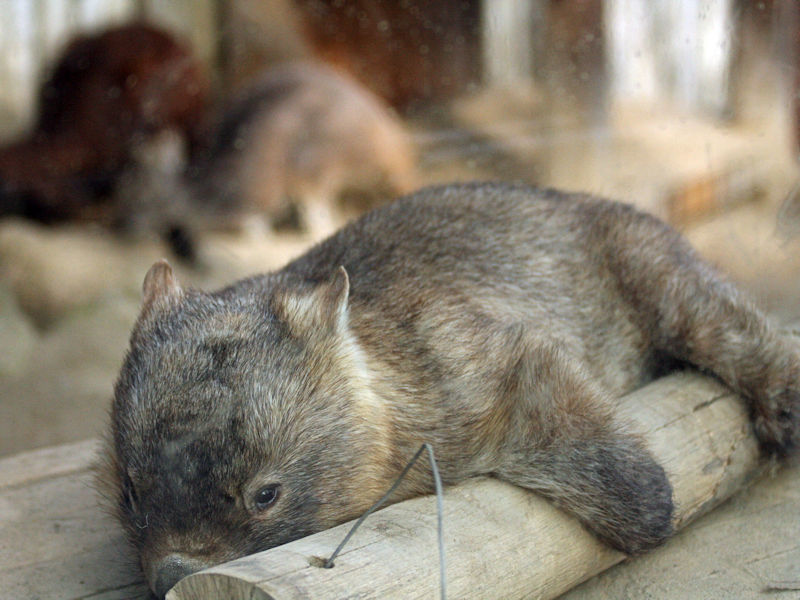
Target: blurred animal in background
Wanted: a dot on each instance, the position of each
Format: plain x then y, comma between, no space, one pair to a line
104,96
289,148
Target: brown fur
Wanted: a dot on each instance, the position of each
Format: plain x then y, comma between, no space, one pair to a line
106,92
409,53
498,323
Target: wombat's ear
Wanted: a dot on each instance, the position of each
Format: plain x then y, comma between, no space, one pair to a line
322,309
160,286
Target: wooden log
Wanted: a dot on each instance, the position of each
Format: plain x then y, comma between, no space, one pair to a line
500,540
56,538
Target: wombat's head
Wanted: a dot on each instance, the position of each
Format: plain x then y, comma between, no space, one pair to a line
241,420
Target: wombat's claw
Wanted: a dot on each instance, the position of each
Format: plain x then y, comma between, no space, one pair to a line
778,424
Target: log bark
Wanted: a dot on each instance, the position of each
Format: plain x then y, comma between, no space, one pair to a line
502,541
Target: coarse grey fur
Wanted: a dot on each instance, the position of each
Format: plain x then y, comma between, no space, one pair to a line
497,322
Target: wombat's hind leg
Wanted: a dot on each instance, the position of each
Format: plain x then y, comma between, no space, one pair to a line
724,334
565,444
691,313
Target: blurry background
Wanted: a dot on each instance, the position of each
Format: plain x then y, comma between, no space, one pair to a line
136,129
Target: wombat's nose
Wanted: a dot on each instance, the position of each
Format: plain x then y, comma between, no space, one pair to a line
170,570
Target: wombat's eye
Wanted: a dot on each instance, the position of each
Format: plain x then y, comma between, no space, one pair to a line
266,496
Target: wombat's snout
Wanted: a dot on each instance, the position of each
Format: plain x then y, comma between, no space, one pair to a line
164,573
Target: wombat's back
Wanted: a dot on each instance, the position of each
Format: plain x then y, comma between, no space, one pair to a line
502,253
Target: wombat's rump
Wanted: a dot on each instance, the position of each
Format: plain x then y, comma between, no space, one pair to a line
499,323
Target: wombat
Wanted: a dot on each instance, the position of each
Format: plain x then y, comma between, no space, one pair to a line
497,322
300,137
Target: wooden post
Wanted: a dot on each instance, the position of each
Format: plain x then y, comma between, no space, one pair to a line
502,541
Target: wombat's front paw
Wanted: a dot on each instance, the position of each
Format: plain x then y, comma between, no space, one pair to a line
626,497
657,530
640,513
777,422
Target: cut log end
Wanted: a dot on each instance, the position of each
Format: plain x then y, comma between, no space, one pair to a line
215,585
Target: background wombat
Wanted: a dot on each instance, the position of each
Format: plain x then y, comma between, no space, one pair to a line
299,137
499,323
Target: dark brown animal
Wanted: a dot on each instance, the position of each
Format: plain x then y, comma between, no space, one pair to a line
105,94
498,323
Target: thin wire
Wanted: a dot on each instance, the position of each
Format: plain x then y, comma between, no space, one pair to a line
440,518
439,509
